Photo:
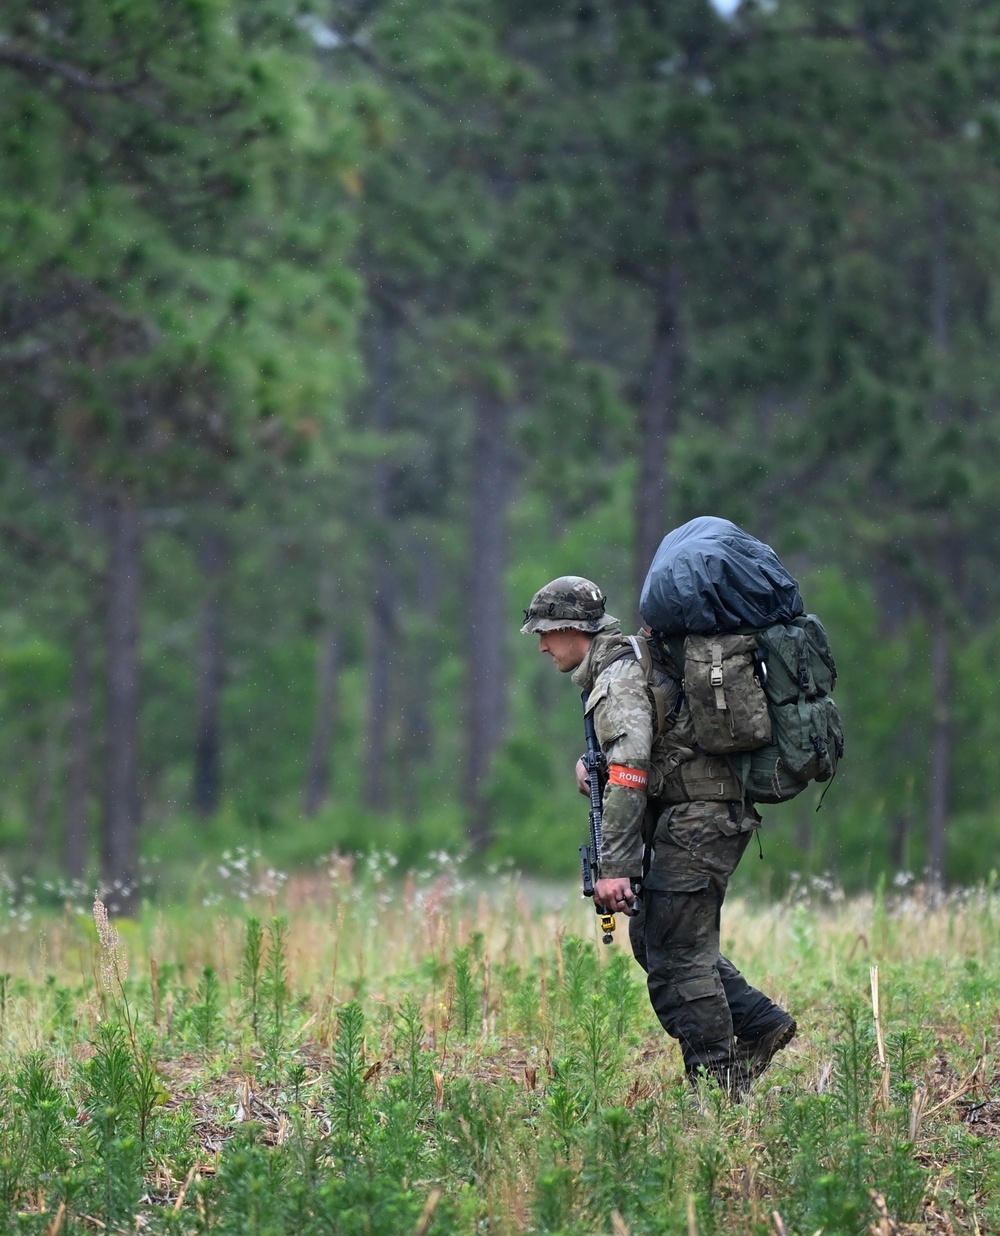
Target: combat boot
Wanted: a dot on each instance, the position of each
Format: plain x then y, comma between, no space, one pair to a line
732,1075
757,1053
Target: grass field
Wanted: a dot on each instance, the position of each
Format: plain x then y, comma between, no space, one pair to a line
358,1053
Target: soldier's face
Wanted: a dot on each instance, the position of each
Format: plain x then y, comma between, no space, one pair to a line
567,648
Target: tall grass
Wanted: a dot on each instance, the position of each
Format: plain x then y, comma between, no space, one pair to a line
351,1054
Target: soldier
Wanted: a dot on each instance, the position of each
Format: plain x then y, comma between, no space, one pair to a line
689,809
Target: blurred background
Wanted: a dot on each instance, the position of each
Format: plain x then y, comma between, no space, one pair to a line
330,331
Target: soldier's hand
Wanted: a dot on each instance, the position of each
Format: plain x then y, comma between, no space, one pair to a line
615,896
582,779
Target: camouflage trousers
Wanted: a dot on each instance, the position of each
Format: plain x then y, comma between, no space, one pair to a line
699,996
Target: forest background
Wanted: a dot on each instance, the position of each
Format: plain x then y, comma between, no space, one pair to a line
329,332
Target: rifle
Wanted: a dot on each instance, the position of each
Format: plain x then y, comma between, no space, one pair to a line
590,855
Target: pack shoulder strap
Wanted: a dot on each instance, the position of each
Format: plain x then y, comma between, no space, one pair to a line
657,695
665,719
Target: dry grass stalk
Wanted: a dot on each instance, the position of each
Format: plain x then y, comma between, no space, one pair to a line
886,1225
184,1188
55,1227
692,1216
619,1226
880,1037
917,1105
428,1213
154,981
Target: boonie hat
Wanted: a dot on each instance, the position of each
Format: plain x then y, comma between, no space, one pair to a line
568,602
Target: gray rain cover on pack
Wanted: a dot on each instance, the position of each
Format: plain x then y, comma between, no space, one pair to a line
710,576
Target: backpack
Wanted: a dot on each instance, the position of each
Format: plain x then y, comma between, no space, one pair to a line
757,672
762,699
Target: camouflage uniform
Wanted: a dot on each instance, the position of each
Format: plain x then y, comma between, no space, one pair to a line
699,826
699,996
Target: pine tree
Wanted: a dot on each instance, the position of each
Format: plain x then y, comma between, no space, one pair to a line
174,229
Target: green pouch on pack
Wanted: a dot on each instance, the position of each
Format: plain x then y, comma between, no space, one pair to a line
808,744
799,660
807,739
723,688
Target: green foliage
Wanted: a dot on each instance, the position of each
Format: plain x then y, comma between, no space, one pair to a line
250,972
289,277
120,1095
44,1107
468,993
275,1000
206,1015
417,1069
348,1072
563,1115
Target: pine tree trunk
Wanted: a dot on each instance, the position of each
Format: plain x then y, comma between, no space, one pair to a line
121,805
939,795
383,567
899,841
316,791
942,735
486,618
897,596
46,762
658,409
940,284
898,602
417,749
76,841
381,640
207,779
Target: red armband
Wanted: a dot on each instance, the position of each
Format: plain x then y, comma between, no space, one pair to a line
634,778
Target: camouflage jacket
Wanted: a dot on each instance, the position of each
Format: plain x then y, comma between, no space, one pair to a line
669,770
623,719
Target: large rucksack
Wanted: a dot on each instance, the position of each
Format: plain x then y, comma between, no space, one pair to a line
807,736
759,692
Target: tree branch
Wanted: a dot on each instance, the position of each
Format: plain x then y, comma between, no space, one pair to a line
397,309
23,316
33,548
823,29
34,64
